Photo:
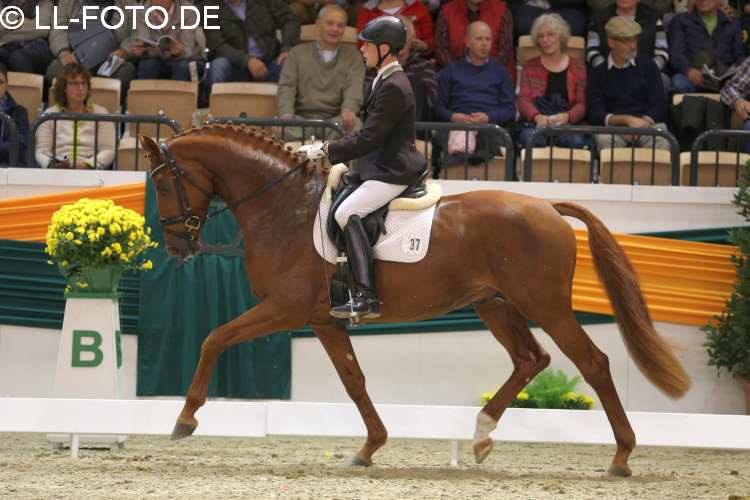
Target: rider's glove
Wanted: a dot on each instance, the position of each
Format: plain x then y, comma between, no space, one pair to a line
314,151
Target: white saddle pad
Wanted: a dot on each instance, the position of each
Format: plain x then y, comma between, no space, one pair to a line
407,232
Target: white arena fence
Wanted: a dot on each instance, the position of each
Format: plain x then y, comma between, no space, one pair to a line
77,417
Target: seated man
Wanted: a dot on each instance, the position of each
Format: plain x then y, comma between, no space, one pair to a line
323,79
26,49
626,91
704,36
450,31
75,43
419,70
18,114
652,42
476,89
166,52
245,48
736,95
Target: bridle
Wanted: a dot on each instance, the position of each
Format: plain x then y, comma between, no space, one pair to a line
188,218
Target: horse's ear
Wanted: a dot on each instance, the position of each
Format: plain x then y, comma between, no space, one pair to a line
151,147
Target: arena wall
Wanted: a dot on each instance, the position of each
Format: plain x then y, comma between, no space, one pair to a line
451,368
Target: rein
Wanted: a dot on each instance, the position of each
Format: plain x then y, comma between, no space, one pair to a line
190,220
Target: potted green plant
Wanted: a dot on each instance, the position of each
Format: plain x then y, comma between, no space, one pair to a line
550,389
728,335
94,241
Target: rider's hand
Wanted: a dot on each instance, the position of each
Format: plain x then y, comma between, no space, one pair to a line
313,151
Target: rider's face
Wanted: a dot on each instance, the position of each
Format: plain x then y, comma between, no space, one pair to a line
370,53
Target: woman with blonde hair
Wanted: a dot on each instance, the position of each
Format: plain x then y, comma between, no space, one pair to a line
552,90
74,141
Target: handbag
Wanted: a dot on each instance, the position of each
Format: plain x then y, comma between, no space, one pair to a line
462,142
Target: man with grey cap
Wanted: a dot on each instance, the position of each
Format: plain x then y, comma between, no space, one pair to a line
627,90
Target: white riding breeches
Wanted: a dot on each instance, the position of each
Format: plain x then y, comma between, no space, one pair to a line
367,198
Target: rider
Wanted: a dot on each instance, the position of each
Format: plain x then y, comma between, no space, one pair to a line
388,159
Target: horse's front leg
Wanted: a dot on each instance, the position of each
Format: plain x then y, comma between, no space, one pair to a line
264,318
335,340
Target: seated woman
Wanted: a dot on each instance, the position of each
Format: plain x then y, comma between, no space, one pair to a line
553,86
18,114
74,142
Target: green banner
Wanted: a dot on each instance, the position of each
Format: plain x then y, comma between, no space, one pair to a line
181,304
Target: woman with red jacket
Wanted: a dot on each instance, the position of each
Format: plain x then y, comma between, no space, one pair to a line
413,9
553,86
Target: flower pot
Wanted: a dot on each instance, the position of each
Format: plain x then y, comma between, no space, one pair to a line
99,279
745,383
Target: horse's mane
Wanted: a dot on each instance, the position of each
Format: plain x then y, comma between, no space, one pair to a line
258,140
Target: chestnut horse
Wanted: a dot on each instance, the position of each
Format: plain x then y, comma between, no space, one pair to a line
511,256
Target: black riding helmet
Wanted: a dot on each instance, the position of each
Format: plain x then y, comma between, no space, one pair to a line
388,30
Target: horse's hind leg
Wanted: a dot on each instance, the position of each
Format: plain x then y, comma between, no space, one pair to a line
594,366
512,331
261,320
335,340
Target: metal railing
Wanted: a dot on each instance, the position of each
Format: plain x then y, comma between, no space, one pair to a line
319,128
425,132
697,147
8,128
97,118
552,132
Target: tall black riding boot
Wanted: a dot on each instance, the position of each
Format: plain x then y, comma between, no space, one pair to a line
364,302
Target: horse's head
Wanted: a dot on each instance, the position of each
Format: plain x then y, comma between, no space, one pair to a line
184,191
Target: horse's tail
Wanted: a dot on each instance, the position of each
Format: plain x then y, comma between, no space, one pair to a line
650,352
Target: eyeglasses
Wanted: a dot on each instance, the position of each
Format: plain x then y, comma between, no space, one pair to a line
78,83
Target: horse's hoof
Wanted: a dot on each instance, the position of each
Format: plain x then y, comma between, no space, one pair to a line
482,448
619,471
357,461
182,430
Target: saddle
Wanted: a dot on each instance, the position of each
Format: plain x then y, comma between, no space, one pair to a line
375,222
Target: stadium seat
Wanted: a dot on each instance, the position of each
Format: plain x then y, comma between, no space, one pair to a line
311,33
617,164
566,165
174,99
713,170
126,155
27,89
254,99
104,92
526,49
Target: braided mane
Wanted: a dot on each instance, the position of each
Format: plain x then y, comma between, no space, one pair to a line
259,140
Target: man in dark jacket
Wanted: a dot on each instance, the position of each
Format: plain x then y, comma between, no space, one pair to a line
704,36
388,159
245,48
17,113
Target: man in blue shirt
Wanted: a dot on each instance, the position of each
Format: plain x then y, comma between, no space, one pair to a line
476,89
626,91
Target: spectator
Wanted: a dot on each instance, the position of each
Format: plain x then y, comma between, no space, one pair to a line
71,144
171,49
92,47
476,89
413,9
627,90
19,116
307,10
455,16
705,36
419,70
245,48
652,41
553,86
25,49
736,95
573,11
662,7
323,79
